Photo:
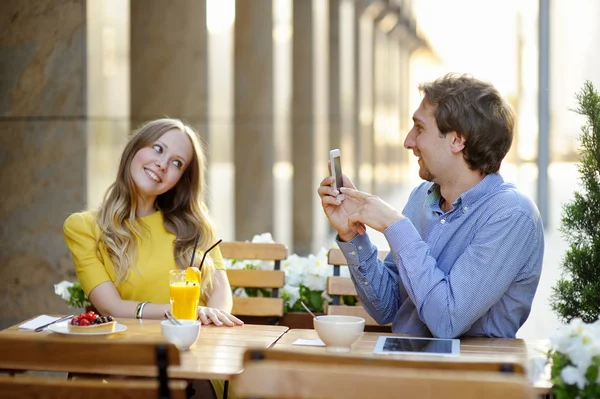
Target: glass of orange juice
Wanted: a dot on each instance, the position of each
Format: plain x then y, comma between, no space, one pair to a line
184,296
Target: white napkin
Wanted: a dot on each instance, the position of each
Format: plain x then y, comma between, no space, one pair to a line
38,321
308,342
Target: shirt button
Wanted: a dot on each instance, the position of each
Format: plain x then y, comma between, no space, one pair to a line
360,248
466,208
443,221
353,253
366,283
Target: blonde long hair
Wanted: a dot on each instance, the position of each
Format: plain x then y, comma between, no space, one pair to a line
183,207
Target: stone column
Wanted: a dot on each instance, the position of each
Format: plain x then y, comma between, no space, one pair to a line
364,61
303,125
335,135
169,62
42,149
253,118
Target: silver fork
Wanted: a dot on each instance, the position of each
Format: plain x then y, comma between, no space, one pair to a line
40,328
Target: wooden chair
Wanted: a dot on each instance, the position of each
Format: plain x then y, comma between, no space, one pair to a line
338,286
273,279
282,374
75,354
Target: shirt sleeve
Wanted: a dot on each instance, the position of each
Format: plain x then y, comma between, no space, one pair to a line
81,240
450,303
376,281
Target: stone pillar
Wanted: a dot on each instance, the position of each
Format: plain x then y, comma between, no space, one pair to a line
364,56
253,118
335,135
348,86
303,125
42,150
169,62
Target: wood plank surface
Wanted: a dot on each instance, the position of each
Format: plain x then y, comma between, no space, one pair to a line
257,307
250,250
256,278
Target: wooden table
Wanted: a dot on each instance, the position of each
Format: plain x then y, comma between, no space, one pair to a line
475,349
217,354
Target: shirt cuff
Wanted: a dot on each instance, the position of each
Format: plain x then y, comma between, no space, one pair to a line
401,234
356,250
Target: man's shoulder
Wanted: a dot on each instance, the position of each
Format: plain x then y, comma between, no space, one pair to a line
506,198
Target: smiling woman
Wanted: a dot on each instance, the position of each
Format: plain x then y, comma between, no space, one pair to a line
146,227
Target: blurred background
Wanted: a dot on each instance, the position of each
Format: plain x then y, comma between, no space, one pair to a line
271,86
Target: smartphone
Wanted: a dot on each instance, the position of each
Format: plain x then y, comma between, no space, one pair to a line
336,170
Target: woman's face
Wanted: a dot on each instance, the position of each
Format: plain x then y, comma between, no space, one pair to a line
157,168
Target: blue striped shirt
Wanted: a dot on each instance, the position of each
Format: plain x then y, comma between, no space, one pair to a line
470,271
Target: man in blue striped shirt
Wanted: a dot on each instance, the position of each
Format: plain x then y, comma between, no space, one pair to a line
466,252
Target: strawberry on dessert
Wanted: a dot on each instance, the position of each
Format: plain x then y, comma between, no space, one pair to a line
92,322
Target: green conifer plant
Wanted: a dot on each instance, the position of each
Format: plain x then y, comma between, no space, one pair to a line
577,292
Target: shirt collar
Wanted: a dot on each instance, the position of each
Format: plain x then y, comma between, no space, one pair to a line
488,184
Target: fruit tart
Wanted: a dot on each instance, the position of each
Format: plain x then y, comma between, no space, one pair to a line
91,322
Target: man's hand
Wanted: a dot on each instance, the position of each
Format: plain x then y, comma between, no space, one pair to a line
371,211
338,211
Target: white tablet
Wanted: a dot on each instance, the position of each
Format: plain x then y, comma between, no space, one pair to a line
417,346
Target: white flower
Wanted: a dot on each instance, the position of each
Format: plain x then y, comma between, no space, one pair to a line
264,238
294,268
240,292
572,375
317,271
293,294
62,289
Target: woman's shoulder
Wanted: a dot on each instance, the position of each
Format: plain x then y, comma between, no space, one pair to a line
81,221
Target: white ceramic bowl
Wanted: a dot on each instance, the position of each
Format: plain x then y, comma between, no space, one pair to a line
339,332
183,336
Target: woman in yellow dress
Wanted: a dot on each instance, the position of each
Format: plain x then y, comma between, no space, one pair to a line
146,226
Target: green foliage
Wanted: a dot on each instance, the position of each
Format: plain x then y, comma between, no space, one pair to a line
78,298
577,293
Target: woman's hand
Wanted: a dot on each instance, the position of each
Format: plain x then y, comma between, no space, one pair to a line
217,317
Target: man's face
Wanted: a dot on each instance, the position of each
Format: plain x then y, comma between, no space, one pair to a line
428,145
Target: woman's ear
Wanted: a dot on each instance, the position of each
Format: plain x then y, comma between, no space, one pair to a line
457,142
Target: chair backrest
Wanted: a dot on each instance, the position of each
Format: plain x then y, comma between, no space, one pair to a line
338,286
297,375
271,279
53,388
75,354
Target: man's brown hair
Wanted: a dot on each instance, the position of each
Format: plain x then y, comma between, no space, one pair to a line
475,111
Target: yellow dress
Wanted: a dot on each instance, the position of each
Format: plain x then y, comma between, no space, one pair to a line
154,261
154,258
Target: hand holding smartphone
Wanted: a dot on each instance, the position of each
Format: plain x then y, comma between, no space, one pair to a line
336,171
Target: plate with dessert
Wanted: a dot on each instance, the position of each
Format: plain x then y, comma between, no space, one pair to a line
88,323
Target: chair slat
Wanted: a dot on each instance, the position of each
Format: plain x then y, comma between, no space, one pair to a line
340,286
274,279
27,387
429,363
256,278
253,251
336,257
358,311
57,353
285,379
262,307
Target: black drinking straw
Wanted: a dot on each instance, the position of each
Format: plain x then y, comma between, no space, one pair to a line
207,251
194,252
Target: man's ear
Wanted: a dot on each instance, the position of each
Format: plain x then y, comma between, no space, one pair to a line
457,142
